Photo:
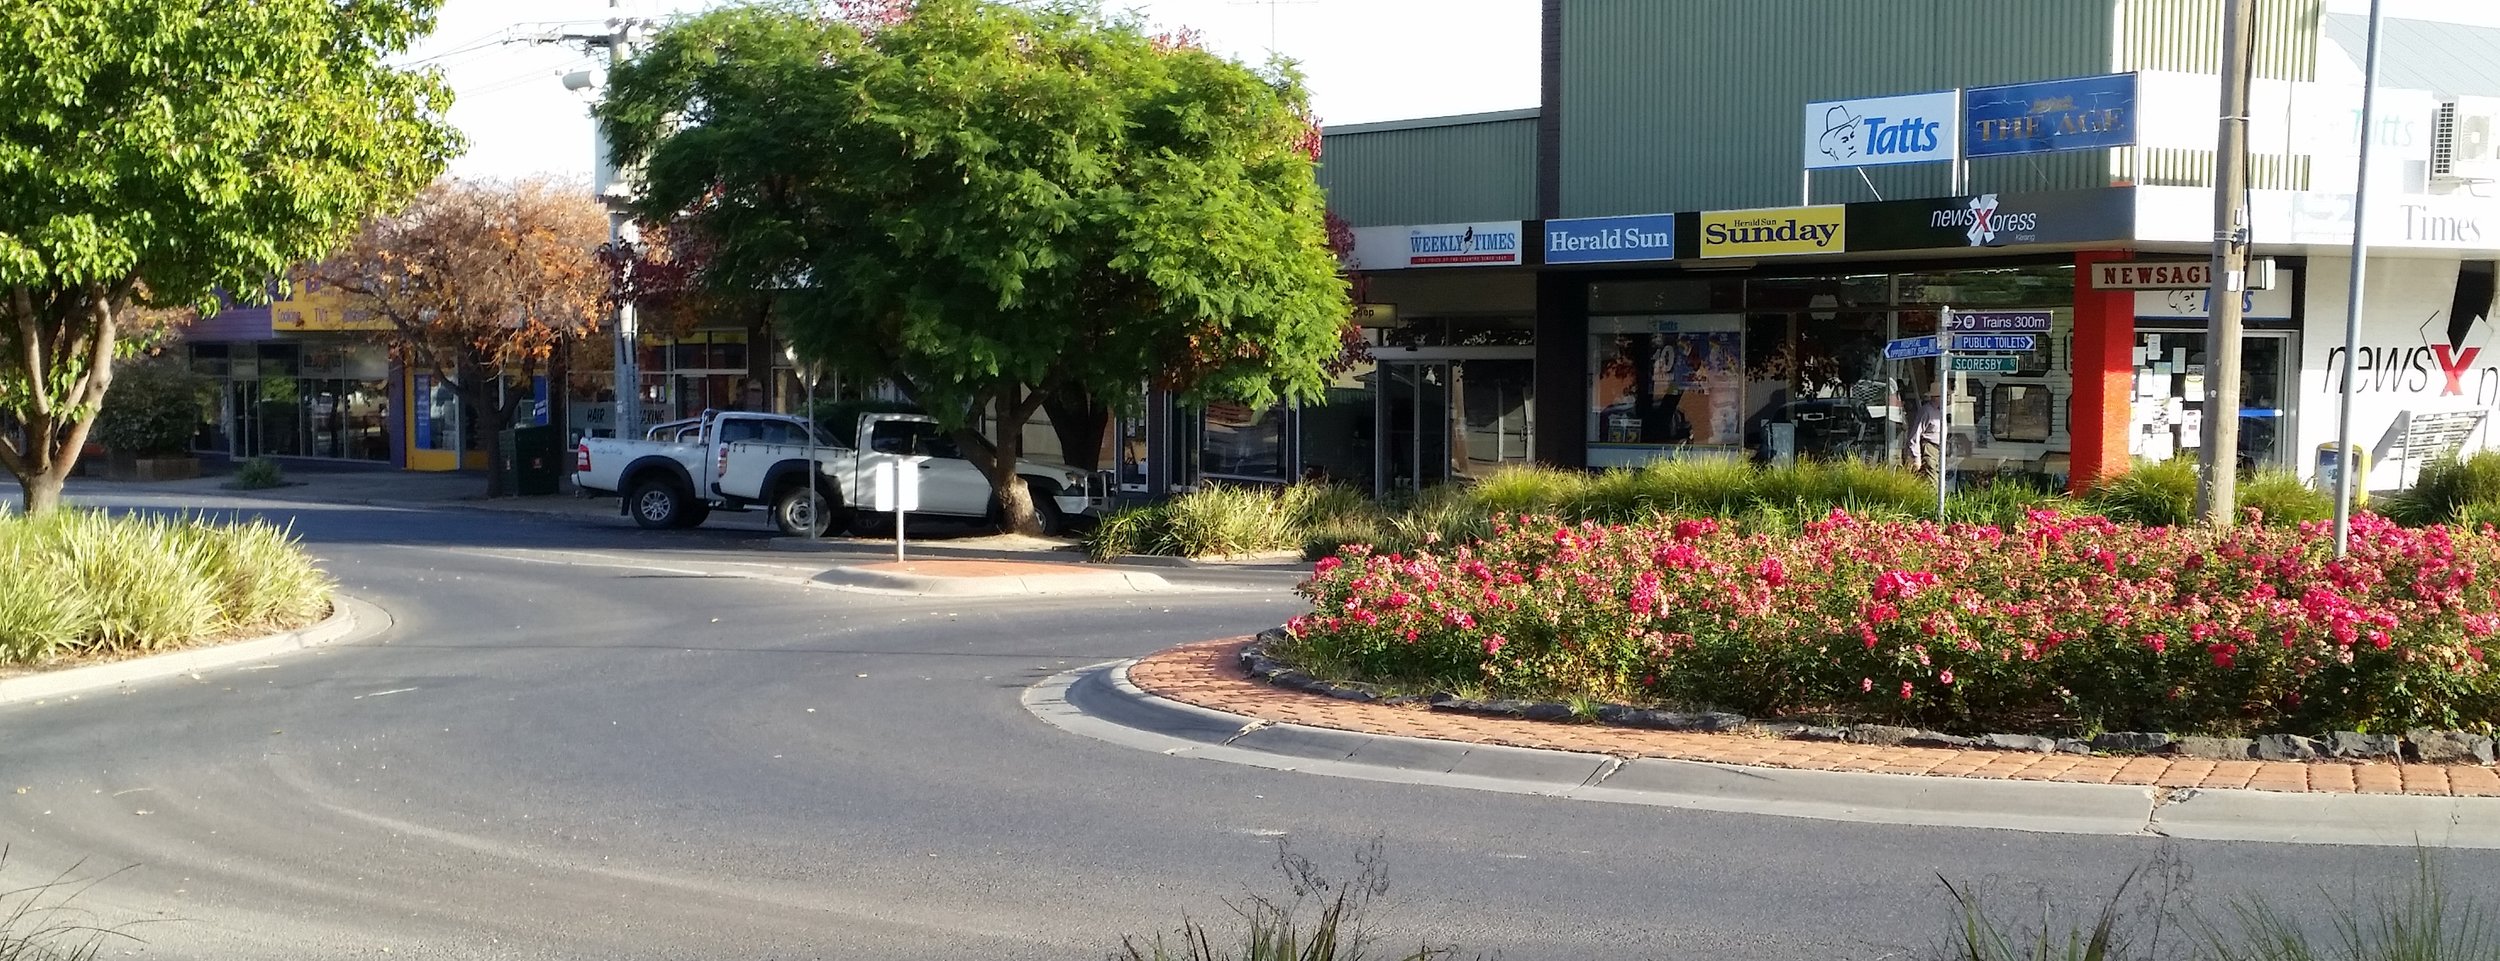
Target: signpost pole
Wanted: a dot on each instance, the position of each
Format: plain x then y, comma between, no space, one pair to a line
816,511
1805,188
898,509
2344,480
2217,489
1944,403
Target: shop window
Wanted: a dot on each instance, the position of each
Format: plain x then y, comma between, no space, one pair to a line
2019,413
1662,296
2040,285
209,359
1240,441
1663,382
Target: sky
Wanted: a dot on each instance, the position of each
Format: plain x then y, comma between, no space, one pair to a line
1366,60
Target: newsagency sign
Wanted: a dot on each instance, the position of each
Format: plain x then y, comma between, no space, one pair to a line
2084,113
1599,240
2097,215
1475,245
1485,244
1879,131
1774,231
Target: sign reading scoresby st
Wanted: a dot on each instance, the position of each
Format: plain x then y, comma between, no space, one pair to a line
1451,245
2098,215
2083,113
1876,131
1598,240
1774,231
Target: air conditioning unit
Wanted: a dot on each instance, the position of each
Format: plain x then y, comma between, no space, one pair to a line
2462,146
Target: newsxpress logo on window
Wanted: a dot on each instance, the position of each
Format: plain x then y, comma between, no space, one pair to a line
1779,230
1449,245
1597,240
1918,128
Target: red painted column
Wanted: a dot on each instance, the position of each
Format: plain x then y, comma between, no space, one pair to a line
2104,366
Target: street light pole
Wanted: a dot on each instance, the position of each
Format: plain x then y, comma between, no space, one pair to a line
2217,489
2344,479
609,184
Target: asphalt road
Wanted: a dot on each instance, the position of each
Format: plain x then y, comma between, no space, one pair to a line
585,741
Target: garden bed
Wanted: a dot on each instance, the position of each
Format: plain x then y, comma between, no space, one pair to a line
84,586
2062,627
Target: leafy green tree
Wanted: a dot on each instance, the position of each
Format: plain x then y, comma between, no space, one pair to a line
989,204
155,152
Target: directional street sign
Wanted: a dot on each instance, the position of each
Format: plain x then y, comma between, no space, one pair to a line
1987,365
1962,342
2002,322
1911,347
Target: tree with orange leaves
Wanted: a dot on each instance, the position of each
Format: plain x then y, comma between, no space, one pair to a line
481,283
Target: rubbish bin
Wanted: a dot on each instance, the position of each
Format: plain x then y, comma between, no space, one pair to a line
536,459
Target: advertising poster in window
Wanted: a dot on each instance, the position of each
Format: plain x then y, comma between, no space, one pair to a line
1667,383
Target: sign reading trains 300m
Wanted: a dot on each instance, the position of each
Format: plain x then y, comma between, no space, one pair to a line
1775,231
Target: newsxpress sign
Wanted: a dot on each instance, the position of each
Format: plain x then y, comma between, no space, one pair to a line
2100,215
2084,113
1597,240
1475,245
1774,231
1878,131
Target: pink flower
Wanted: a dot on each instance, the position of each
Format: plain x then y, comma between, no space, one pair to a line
1906,690
1946,677
1493,643
2158,642
1866,684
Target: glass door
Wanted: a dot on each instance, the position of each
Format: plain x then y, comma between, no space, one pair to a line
1493,402
2168,406
1414,422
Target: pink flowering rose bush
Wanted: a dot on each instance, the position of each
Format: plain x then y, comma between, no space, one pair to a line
2064,624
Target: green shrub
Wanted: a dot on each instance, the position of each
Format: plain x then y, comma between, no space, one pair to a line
152,410
1514,490
81,583
1223,520
1321,919
259,473
2155,494
2279,497
2003,502
2447,488
1130,530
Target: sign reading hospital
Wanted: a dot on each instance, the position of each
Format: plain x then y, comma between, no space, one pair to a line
1449,245
1597,240
1774,231
1874,132
2084,113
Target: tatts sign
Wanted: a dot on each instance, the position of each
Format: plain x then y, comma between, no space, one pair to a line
1774,231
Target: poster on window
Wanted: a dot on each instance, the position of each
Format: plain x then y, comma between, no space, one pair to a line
1674,383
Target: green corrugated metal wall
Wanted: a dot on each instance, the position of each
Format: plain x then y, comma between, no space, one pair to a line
2185,36
1696,104
1432,175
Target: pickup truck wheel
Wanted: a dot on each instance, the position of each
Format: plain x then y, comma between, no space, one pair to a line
798,510
658,505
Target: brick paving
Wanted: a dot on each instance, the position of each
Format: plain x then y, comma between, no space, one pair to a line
1208,674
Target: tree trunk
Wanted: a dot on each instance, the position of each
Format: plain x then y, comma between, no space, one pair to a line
491,419
42,490
1013,407
1080,421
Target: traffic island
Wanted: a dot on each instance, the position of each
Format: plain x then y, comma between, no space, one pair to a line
1211,675
991,577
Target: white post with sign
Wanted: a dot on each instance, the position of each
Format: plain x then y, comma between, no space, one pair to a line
1944,404
897,489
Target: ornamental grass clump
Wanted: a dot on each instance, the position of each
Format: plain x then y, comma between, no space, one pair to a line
89,584
2060,625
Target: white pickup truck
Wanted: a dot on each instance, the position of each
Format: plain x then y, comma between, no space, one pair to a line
681,471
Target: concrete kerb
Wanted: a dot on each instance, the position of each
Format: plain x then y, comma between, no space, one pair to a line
1100,702
349,617
1090,582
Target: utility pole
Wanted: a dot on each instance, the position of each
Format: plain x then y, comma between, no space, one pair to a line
610,185
2217,490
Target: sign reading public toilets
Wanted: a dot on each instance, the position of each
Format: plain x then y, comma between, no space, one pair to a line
1599,240
1775,231
2084,113
1879,131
